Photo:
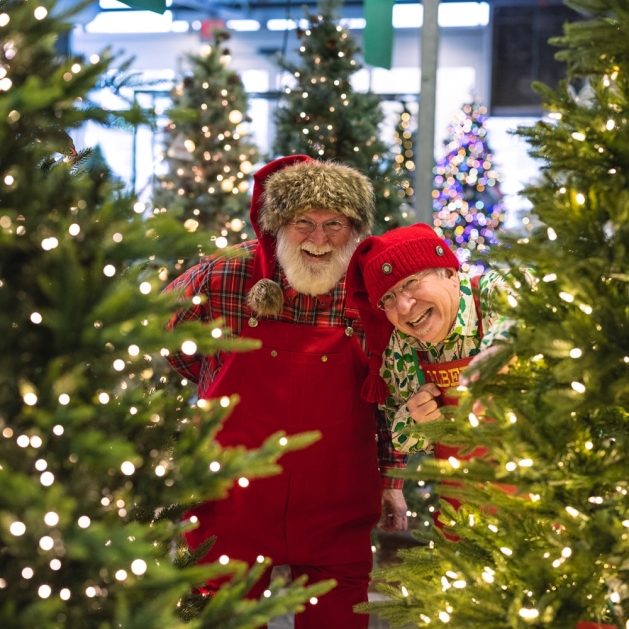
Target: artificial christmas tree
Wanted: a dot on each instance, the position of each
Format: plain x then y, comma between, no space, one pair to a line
97,465
467,199
323,117
210,158
555,554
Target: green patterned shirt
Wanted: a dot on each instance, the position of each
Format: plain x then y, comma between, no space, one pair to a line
398,368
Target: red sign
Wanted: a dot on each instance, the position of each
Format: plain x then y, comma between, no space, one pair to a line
209,26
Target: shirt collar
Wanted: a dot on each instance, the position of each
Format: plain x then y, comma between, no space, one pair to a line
465,324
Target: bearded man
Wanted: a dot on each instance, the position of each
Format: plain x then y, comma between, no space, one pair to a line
290,294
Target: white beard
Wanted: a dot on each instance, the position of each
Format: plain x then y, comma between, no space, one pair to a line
316,278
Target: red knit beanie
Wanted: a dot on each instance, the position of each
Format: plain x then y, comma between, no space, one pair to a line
379,263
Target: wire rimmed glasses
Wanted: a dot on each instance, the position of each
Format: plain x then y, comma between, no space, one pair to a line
333,227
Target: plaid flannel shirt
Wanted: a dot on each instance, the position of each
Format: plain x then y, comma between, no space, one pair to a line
222,280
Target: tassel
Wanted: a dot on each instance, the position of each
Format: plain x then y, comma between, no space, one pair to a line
375,388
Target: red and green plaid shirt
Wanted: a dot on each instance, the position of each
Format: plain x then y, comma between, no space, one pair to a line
222,281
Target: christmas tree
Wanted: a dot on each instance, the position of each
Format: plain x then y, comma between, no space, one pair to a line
322,116
97,465
555,553
210,159
404,166
467,207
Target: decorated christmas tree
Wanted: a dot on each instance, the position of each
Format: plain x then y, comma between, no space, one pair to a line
210,157
467,199
97,465
404,150
322,116
556,552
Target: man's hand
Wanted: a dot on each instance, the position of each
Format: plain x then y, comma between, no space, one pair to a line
393,510
422,405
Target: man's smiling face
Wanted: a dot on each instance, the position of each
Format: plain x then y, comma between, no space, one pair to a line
429,311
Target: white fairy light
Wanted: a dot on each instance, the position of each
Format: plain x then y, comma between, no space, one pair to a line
578,136
585,308
58,430
23,441
267,594
196,300
511,466
589,445
133,350
160,470
127,468
459,584
260,559
566,297
55,564
528,613
17,528
223,560
74,229
610,124
506,551
40,13
314,600
117,237
283,441
215,466
30,398
47,479
103,398
4,19
119,364
579,387
46,542
551,277
28,572
513,302
525,463
64,399
572,511
133,410
614,597
404,591
221,242
202,403
40,465
580,198
64,594
512,416
493,528
139,207
121,575
575,352
94,59
473,420
84,522
552,234
488,578
36,441
243,482
109,270
164,352
90,592
224,401
455,463
36,318
51,518
566,552
138,567
189,348
217,333
444,617
145,288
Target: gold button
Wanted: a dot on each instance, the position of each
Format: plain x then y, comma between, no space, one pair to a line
324,359
274,353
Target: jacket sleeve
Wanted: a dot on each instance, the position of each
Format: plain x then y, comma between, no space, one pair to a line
388,457
193,282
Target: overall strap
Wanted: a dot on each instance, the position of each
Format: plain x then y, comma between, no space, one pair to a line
476,294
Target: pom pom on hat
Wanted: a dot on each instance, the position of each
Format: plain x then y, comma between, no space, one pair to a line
379,263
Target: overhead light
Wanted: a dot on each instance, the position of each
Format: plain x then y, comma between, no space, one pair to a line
112,4
286,25
131,22
451,14
353,23
243,25
180,26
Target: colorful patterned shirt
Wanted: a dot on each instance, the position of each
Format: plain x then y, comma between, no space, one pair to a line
398,368
222,280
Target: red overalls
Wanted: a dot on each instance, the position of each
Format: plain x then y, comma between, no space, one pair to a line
318,513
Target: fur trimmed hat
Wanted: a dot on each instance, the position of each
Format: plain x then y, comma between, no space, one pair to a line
282,190
378,264
312,185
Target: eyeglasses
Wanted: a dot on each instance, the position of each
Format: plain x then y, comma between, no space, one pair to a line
332,228
388,300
